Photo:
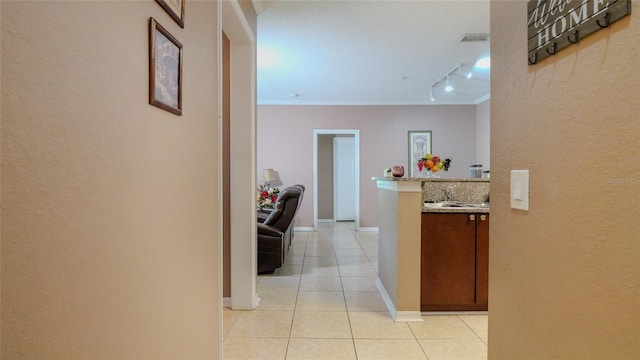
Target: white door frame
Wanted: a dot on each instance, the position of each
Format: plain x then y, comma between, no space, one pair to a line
356,135
243,228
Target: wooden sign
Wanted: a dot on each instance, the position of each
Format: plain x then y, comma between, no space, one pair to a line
556,24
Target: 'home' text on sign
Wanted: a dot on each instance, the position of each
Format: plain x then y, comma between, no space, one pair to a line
556,24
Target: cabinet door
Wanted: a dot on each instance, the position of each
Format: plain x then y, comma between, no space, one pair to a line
448,261
482,259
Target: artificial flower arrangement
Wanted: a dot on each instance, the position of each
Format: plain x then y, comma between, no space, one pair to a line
433,163
267,196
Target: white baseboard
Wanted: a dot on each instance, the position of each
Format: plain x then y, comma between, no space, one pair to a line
303,228
326,221
226,302
409,316
397,316
368,229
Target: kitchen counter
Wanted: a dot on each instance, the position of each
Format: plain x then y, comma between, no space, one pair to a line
455,210
404,179
400,211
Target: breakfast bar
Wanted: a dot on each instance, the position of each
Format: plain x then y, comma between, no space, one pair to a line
401,204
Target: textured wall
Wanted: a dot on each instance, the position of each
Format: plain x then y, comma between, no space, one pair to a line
285,142
109,205
565,277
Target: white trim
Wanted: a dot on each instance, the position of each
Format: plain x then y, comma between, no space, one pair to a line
226,302
335,178
409,317
244,295
257,6
482,99
303,229
386,298
369,103
356,135
326,220
397,316
368,229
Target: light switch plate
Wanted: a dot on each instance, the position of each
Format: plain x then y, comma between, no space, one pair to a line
520,189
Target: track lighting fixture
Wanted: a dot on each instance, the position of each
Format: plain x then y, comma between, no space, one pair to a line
445,79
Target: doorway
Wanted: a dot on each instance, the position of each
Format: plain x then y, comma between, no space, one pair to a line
241,215
332,203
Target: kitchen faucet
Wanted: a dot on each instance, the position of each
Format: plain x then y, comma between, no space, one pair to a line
448,196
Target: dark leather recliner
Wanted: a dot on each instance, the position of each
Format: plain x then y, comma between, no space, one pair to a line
272,242
263,214
290,232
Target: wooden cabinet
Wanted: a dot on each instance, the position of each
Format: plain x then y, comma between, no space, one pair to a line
455,262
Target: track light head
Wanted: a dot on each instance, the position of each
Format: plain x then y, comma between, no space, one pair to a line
448,87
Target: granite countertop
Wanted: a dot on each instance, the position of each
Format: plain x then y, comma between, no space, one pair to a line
449,210
434,208
381,178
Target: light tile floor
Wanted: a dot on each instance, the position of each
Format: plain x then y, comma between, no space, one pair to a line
323,304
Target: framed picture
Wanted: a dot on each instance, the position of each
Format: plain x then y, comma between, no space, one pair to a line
165,69
175,8
419,145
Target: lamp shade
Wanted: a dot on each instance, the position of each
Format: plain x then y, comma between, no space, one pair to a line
271,177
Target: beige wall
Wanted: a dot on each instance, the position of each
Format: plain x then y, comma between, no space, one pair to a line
285,142
325,176
109,205
565,276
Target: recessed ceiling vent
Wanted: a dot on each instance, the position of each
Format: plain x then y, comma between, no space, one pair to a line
474,37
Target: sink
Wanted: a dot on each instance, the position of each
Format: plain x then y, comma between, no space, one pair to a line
456,204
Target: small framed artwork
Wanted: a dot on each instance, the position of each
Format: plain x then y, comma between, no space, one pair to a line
419,145
165,69
175,9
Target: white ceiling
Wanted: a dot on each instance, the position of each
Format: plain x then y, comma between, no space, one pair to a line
370,52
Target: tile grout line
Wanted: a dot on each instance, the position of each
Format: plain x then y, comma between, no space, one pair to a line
344,295
415,338
473,331
295,305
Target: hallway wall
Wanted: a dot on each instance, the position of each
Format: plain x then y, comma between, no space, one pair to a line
565,276
109,205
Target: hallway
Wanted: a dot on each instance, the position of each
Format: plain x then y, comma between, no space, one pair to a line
323,304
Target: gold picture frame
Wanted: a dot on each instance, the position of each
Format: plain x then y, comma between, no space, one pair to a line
165,69
419,144
175,9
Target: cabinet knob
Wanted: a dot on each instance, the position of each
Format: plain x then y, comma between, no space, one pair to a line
483,217
472,217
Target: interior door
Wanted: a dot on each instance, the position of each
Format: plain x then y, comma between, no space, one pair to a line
344,166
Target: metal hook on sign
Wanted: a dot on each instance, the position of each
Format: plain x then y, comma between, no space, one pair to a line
607,18
533,59
554,47
576,37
